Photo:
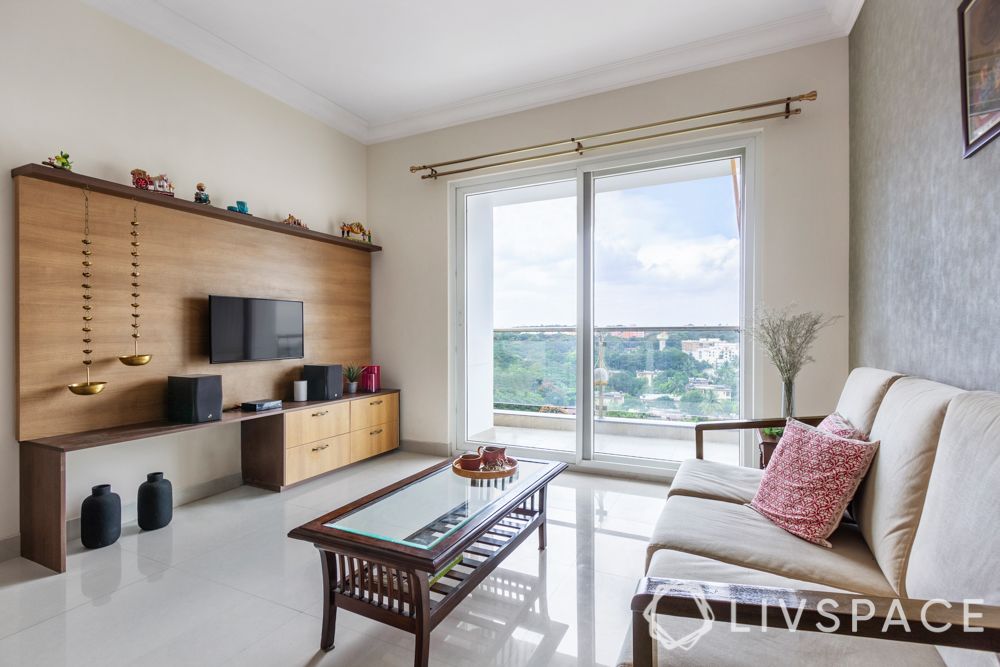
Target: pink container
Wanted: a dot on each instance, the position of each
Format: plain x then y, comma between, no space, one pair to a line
371,378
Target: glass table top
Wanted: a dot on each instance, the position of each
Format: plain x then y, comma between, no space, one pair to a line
430,509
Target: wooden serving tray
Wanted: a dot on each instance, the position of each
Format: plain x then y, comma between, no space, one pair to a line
509,469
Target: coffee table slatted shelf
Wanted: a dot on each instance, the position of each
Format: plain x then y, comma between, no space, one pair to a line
376,564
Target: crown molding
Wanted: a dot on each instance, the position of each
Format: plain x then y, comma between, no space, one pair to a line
175,30
834,20
809,28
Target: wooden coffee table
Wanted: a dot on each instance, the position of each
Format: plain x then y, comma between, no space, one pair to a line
407,554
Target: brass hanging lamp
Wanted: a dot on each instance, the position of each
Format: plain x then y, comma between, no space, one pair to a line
88,388
135,359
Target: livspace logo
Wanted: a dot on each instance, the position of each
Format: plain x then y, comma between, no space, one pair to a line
830,610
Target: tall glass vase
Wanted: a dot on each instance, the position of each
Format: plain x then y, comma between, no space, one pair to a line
788,398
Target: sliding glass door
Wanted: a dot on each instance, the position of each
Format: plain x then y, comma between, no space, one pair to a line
600,310
666,309
520,317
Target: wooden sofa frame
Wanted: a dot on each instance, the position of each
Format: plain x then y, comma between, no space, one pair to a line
741,425
675,598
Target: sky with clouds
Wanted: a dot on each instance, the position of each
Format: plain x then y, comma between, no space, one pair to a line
665,255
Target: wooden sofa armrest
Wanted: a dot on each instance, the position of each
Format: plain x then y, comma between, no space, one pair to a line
740,425
935,622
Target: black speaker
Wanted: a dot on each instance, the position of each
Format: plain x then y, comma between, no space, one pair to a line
193,399
326,381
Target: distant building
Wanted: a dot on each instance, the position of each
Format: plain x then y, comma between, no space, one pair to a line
661,339
628,334
720,391
647,376
711,350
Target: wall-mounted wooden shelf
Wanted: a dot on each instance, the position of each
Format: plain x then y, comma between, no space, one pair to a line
111,188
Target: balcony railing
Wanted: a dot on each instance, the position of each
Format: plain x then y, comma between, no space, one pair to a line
665,375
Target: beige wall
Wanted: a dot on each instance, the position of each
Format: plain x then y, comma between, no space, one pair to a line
116,99
802,226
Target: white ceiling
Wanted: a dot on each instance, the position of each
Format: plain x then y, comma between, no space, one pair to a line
382,69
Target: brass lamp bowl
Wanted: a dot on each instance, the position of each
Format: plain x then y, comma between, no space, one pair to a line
86,388
136,359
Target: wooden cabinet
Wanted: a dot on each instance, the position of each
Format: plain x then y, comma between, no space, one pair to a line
374,440
325,421
373,411
316,458
300,443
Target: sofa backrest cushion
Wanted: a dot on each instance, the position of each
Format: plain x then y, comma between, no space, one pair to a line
862,394
954,551
890,500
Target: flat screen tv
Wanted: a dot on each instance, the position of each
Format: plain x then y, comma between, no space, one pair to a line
254,329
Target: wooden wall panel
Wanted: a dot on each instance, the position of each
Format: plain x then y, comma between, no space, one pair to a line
185,257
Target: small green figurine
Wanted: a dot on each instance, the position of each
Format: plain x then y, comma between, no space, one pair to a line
200,196
60,161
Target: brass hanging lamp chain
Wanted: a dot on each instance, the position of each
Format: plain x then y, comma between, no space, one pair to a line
87,274
578,148
135,275
89,387
135,359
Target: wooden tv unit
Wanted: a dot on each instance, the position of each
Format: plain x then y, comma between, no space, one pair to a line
279,448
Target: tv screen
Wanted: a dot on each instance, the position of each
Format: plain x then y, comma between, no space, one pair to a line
254,329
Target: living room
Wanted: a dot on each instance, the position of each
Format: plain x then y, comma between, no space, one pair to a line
337,338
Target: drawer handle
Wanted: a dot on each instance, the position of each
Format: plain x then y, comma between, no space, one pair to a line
321,447
378,402
320,414
375,432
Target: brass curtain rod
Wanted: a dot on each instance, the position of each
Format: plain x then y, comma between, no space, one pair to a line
578,147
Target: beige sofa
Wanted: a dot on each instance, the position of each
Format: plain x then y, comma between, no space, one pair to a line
927,526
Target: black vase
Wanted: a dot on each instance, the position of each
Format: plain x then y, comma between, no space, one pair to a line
100,518
155,502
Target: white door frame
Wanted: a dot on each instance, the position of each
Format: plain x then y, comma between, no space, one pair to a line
744,145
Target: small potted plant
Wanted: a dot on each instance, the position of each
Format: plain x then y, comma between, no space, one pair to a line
352,374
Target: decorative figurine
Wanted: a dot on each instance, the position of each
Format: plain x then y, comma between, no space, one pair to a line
241,207
200,196
140,179
349,228
162,185
60,161
159,184
295,222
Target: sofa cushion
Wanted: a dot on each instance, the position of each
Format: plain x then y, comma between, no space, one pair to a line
890,500
862,394
775,647
959,531
838,424
811,477
737,535
716,481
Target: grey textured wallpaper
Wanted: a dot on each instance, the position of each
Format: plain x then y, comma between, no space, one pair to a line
925,224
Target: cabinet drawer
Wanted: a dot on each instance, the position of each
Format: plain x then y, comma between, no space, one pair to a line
325,421
374,410
373,440
316,458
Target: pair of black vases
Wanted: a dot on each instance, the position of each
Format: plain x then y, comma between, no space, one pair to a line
101,513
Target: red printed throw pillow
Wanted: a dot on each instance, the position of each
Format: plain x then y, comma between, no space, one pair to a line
810,479
839,425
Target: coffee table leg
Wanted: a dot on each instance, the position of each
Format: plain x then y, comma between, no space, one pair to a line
422,635
541,510
329,599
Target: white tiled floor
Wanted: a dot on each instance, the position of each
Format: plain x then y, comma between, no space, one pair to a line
223,585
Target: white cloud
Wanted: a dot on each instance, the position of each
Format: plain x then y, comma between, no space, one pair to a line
706,261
